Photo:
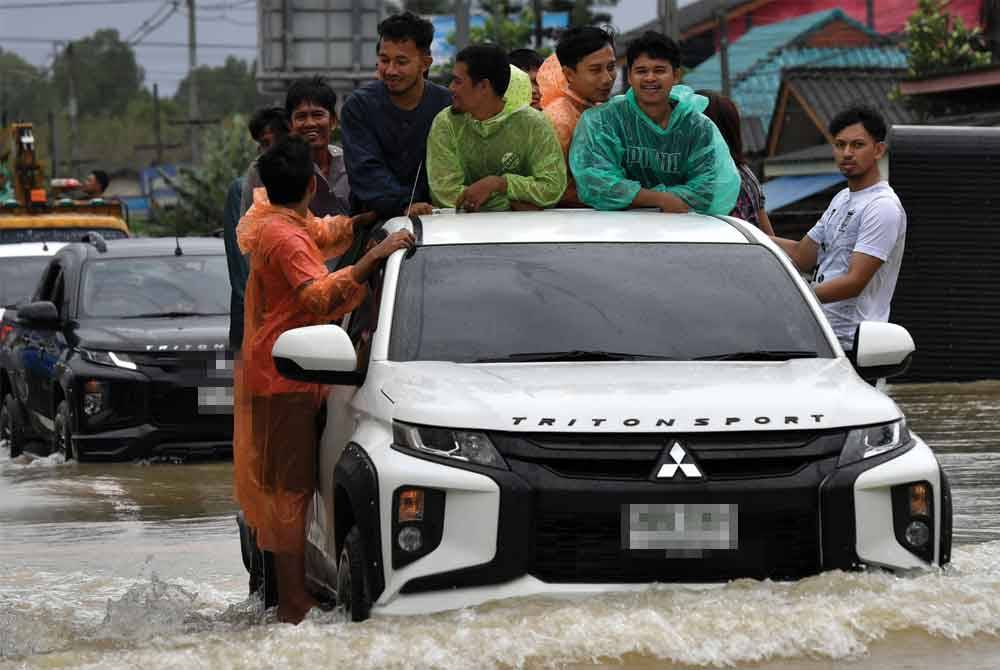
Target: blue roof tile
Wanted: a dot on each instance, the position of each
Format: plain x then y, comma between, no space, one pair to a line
757,59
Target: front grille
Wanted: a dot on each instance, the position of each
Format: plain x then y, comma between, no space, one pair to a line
635,457
778,539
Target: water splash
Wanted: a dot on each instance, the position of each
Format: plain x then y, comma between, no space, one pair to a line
834,616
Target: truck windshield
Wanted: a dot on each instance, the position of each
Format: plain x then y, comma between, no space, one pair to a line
614,301
18,278
174,286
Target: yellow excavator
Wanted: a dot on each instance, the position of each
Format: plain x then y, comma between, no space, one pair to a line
28,211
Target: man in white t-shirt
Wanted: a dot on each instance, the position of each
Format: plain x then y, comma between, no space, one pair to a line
858,242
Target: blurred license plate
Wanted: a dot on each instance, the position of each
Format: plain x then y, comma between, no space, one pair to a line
680,529
215,400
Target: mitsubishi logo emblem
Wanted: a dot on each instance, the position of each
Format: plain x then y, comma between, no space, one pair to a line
677,455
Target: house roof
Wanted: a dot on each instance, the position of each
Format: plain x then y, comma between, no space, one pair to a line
757,59
755,93
824,91
753,134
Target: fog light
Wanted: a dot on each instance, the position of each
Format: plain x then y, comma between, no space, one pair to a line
920,499
917,534
93,398
411,505
410,539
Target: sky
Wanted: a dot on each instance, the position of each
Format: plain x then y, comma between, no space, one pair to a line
224,27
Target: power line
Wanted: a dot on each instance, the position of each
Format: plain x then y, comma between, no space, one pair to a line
72,3
149,26
165,45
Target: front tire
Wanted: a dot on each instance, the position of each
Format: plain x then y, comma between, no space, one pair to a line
9,428
63,433
353,589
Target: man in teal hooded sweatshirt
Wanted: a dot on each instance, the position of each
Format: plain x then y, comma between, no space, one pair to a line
490,151
653,147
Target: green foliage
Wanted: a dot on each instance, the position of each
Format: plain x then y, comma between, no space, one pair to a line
24,88
228,150
508,25
105,73
224,90
938,41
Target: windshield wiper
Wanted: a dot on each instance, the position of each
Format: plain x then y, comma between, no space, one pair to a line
760,355
169,315
571,355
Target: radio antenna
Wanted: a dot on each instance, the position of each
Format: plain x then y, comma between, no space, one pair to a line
413,193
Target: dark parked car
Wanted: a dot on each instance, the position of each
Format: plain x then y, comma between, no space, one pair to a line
122,352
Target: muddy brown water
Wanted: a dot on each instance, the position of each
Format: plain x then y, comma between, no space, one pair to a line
137,565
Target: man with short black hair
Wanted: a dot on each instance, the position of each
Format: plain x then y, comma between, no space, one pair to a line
310,107
578,76
528,61
96,184
386,122
266,126
653,147
275,418
858,242
488,153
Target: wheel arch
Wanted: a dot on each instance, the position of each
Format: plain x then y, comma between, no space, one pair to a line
356,503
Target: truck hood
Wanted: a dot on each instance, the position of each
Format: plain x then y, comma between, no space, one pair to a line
639,396
191,333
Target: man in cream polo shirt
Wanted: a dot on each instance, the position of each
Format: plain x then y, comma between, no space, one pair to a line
858,242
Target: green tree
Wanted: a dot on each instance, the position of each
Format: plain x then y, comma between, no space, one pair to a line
224,90
508,24
25,91
227,152
105,73
938,41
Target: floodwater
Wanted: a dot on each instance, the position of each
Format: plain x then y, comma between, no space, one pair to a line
137,566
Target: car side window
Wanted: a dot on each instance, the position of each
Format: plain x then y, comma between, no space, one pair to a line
48,282
59,294
362,321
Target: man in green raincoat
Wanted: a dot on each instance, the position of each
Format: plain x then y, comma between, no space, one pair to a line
653,147
490,151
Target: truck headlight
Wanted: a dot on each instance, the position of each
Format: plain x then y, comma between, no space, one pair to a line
108,358
462,445
871,441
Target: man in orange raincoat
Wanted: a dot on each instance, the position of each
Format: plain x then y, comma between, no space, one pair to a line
578,76
289,287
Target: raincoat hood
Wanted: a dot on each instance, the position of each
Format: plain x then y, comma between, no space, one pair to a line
262,212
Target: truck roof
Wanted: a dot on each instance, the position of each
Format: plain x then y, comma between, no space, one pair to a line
28,249
150,247
572,225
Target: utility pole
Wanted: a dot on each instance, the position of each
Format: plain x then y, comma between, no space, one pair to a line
536,7
870,14
157,133
193,113
723,48
71,80
667,11
53,145
461,24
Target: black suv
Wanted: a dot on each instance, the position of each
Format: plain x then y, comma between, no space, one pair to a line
122,352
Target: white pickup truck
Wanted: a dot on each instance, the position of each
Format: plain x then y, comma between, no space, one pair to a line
576,401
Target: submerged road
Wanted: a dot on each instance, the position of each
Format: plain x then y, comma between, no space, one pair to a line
137,565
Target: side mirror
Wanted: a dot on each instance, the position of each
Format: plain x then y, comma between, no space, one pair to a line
881,349
41,313
317,354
